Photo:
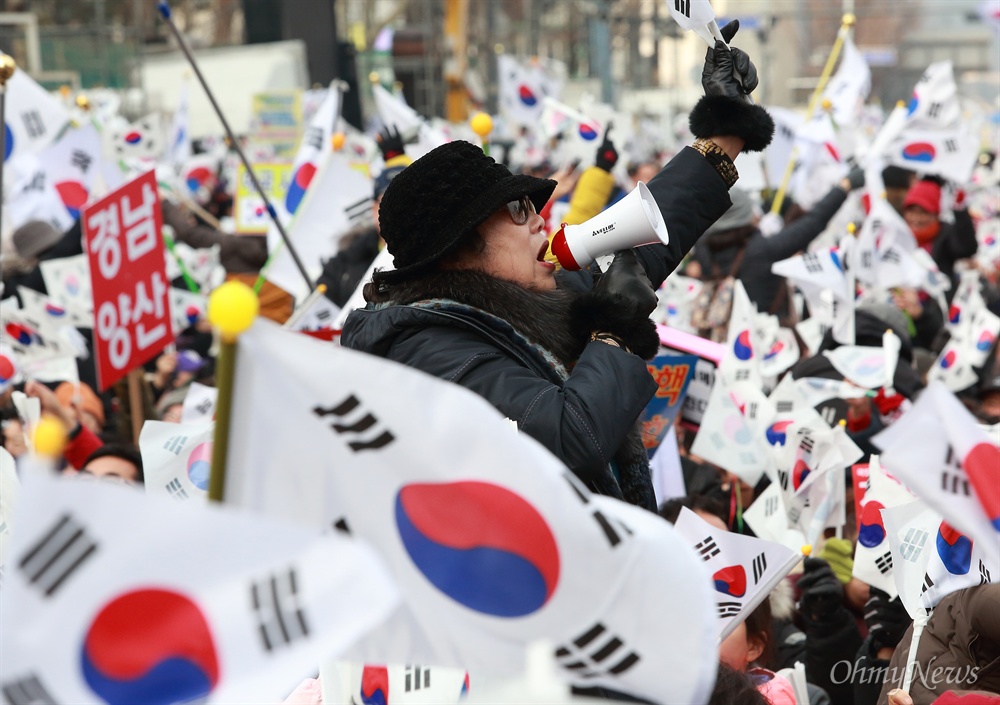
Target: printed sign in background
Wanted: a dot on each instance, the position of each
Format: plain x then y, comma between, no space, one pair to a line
277,123
672,374
123,235
248,207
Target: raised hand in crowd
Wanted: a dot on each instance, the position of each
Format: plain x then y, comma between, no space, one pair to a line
717,76
607,155
390,143
50,403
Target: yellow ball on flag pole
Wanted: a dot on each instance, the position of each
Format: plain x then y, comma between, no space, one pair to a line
50,436
232,308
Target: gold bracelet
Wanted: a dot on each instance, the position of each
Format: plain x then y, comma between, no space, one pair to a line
610,339
718,158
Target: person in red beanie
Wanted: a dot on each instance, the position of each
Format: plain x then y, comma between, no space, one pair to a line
946,242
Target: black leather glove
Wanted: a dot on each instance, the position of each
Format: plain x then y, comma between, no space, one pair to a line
724,109
607,155
887,619
390,143
856,177
717,77
619,305
822,592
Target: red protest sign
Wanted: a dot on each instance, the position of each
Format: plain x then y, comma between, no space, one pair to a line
123,237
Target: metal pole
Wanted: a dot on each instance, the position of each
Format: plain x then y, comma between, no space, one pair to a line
7,68
164,9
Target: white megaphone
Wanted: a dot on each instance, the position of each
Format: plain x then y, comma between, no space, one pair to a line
635,220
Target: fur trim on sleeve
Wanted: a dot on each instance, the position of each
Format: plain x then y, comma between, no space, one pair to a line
718,115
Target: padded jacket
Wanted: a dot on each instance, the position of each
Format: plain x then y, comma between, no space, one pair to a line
582,418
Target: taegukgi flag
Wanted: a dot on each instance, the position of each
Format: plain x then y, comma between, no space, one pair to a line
177,458
32,119
111,596
493,542
744,569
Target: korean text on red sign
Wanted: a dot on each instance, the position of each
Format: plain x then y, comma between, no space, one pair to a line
122,233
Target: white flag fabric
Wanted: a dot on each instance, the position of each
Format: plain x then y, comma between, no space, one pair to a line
67,280
493,542
522,88
319,314
31,195
33,117
177,458
179,141
186,308
10,489
787,124
951,153
580,134
744,569
931,559
199,404
849,87
740,364
202,264
339,200
768,517
141,140
10,368
45,308
725,437
934,105
72,165
873,554
313,153
693,15
399,685
111,596
955,468
676,301
32,338
863,365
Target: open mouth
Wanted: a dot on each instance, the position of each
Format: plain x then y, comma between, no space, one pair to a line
542,251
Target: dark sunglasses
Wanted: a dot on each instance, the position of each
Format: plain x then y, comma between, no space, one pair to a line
520,210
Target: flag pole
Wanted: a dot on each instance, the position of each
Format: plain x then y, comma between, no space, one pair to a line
164,7
919,622
7,68
845,27
232,308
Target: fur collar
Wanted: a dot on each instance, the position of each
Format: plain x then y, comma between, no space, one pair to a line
541,317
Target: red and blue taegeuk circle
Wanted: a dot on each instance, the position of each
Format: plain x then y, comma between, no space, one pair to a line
298,185
150,646
731,580
199,465
375,685
872,531
480,544
954,549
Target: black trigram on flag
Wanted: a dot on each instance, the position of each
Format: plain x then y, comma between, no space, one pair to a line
357,211
728,609
934,109
614,530
891,256
884,562
417,677
770,506
913,545
759,567
784,407
928,584
280,617
783,478
984,573
364,422
176,489
707,548
812,263
683,7
323,314
26,691
954,483
175,444
596,652
950,146
61,551
341,526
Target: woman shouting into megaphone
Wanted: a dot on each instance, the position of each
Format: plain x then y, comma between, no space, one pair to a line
563,354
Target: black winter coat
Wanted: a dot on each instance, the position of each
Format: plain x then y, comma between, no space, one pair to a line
584,416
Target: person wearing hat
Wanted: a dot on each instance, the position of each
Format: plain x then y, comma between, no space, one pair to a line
33,242
735,246
563,355
946,242
360,246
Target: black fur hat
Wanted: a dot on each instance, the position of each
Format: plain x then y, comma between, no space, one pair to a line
716,115
448,192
